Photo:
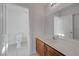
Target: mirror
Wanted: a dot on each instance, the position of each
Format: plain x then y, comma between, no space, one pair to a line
67,27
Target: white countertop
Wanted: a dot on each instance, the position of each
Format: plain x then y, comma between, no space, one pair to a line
67,47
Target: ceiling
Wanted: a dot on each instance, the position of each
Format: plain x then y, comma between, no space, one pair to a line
31,4
52,9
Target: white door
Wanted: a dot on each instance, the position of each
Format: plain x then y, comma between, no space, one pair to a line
63,25
67,26
76,26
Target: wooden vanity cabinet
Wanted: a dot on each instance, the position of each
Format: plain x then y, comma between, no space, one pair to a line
39,47
52,52
45,50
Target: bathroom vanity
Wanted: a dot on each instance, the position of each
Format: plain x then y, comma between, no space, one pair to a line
59,47
44,49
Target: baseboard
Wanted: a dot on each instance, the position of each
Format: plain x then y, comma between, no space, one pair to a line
34,52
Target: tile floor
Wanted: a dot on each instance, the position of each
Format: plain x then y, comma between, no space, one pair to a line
14,51
35,54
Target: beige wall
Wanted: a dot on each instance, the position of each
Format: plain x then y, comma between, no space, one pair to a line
37,18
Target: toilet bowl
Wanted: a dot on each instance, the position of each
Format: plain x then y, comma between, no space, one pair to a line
18,40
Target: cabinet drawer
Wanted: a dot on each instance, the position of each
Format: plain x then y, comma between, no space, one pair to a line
52,52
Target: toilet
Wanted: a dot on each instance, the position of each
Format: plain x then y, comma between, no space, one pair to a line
18,40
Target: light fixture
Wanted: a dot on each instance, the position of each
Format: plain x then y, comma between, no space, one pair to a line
52,4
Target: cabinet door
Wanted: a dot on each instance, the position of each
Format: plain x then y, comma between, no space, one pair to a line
40,47
52,52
